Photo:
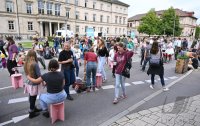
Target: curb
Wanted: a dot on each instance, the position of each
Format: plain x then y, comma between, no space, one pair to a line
125,112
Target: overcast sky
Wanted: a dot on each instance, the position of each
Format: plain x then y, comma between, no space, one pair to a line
138,6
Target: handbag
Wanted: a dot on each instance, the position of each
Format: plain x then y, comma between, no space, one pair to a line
127,67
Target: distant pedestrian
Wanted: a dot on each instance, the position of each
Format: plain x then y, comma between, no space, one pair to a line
156,65
146,55
2,44
12,54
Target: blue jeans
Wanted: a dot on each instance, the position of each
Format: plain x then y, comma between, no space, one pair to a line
49,98
76,66
69,78
145,62
101,63
91,68
119,80
161,79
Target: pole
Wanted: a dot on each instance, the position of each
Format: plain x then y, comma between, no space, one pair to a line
174,23
17,16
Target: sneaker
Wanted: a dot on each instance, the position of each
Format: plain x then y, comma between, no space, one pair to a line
88,89
33,114
69,98
93,88
151,86
123,96
165,89
104,80
115,101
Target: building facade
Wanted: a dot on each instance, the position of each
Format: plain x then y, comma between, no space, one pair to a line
43,17
186,19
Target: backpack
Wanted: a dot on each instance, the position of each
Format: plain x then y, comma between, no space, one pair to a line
155,60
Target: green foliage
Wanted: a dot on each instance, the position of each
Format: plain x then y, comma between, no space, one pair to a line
50,38
150,23
182,57
170,23
197,33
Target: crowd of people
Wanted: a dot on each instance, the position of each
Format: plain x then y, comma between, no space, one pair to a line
116,52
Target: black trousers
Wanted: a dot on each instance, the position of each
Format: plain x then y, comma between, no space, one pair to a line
32,100
11,64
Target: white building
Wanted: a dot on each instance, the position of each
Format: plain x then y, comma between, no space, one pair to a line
28,17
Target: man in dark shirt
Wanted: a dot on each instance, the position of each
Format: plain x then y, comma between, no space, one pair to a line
67,67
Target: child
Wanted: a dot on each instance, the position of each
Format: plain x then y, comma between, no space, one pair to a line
3,60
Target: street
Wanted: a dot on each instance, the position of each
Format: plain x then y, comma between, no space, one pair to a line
94,108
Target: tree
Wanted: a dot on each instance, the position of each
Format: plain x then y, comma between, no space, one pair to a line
170,24
149,24
197,33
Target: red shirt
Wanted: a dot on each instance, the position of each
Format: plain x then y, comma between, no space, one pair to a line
90,56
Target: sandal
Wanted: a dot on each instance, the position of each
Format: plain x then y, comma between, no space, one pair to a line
115,101
123,96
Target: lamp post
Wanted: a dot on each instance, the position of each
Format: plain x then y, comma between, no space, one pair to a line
174,23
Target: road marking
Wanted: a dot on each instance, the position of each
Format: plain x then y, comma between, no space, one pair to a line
17,100
138,82
164,79
127,84
173,77
149,81
108,87
6,87
15,119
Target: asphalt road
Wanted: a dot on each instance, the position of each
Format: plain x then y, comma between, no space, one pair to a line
88,109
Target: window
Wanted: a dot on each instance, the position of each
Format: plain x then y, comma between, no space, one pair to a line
67,1
57,9
101,29
94,17
11,25
101,18
68,27
67,13
130,24
76,2
123,31
9,6
94,28
86,3
116,9
86,27
116,18
30,26
119,30
124,20
28,8
86,16
107,30
108,19
77,15
77,28
101,7
40,7
49,8
94,3
115,30
120,20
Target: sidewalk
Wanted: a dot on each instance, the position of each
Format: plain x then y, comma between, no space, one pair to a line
185,111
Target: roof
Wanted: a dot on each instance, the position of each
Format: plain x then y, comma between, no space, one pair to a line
116,2
179,12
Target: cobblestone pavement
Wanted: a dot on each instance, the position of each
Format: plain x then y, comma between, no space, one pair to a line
183,112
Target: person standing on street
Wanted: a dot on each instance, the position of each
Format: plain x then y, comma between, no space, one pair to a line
146,55
67,67
2,43
32,69
39,51
158,69
12,54
102,53
120,59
